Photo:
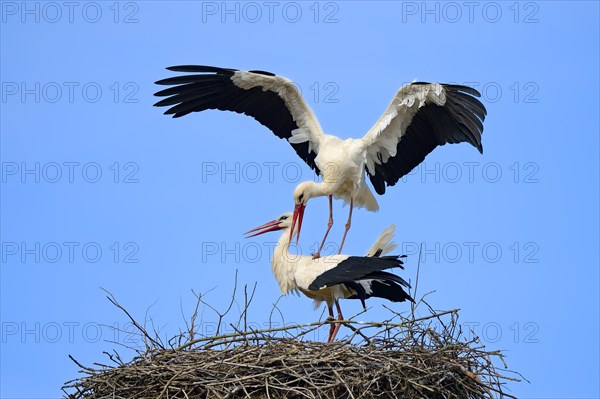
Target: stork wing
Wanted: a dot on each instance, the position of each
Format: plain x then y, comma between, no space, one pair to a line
355,268
381,285
272,100
420,117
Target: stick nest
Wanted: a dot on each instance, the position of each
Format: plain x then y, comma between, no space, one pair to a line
425,357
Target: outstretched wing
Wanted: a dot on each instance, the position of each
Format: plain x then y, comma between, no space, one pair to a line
420,117
272,100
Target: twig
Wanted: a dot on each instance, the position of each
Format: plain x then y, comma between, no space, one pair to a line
113,300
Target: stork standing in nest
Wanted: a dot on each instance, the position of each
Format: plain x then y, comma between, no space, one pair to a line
331,278
420,117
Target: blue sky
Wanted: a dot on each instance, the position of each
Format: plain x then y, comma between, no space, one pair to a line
99,189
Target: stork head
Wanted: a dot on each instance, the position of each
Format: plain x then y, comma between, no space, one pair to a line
303,192
281,223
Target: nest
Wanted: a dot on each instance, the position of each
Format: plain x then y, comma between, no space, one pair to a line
403,357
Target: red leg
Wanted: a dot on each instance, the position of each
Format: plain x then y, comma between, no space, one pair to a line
337,325
331,326
329,224
348,223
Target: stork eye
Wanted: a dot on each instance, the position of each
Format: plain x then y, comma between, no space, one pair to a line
283,218
301,196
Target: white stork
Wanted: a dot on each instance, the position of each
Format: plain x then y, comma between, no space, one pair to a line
420,117
330,278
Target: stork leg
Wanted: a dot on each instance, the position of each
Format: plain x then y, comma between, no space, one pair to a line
348,224
337,325
332,325
329,224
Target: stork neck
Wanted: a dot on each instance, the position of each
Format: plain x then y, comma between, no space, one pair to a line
321,189
283,264
283,246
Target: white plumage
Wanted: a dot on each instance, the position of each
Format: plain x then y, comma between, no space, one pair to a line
330,278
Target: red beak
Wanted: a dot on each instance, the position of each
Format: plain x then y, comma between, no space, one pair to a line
298,216
273,225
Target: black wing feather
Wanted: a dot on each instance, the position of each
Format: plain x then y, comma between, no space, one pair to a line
386,289
360,291
200,68
213,88
460,119
355,268
382,285
380,288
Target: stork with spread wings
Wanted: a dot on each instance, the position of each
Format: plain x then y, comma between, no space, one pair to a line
420,117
